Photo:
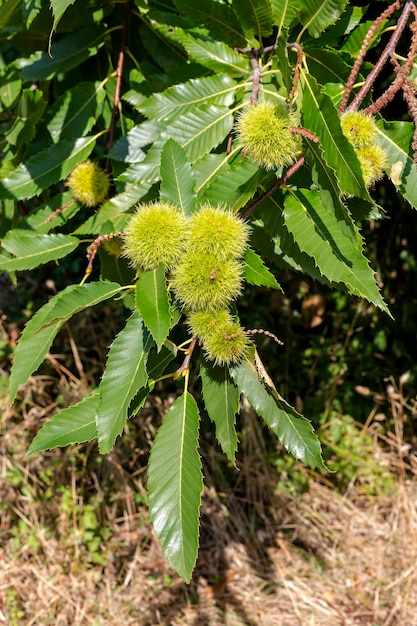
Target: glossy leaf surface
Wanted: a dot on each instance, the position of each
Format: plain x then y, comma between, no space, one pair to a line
175,484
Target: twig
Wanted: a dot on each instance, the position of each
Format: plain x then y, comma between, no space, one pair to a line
279,183
300,54
256,75
119,74
185,366
58,211
359,60
92,251
402,72
388,51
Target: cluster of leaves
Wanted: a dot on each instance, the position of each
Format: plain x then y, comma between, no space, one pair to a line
153,95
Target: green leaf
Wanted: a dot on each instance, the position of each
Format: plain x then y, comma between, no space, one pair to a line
124,376
321,117
129,147
326,66
58,8
284,12
33,249
221,398
152,302
46,168
31,107
76,424
294,432
180,99
256,273
10,14
233,184
317,15
220,19
10,87
255,16
215,55
30,9
396,139
40,331
201,130
177,178
113,211
175,484
69,52
75,113
312,221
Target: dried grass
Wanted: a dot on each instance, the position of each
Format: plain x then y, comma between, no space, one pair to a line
267,557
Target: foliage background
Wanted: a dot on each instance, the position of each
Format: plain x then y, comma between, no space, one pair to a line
352,372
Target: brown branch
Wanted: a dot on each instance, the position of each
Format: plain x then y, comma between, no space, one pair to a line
119,74
58,211
186,363
279,183
307,134
360,58
256,75
388,51
402,72
92,249
300,54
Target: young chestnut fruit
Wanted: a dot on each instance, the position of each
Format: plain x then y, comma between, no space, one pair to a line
362,133
221,337
218,231
359,128
264,133
373,160
88,183
157,233
206,282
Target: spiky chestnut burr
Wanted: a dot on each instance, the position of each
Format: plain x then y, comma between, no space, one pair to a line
220,335
157,233
218,231
89,183
205,282
359,128
264,133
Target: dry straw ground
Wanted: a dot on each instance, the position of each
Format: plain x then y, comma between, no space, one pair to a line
76,547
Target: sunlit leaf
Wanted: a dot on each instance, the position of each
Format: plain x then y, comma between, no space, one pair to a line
317,15
33,249
40,331
294,432
46,168
177,178
396,138
321,117
153,304
175,484
256,273
126,373
76,424
311,220
221,399
215,55
180,99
